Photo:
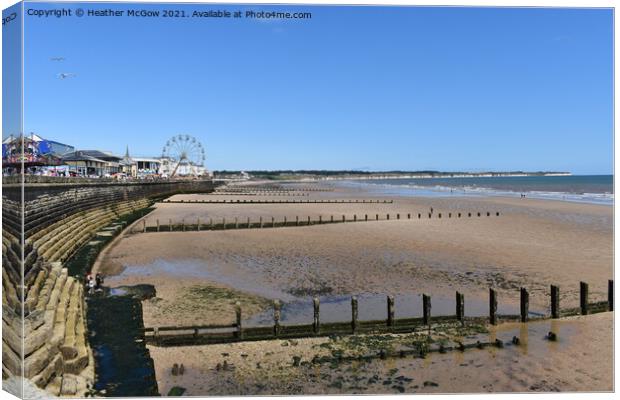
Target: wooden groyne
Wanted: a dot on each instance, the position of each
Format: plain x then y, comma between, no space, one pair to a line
271,201
234,332
210,224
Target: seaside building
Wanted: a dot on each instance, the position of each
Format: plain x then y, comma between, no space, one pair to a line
148,166
32,151
128,166
93,162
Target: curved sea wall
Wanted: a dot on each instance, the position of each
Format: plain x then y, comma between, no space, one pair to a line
41,303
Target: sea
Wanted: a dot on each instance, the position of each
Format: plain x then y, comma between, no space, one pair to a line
596,189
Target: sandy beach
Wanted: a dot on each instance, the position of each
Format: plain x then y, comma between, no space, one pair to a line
532,243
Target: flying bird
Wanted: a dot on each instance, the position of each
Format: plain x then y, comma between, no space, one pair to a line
65,75
57,59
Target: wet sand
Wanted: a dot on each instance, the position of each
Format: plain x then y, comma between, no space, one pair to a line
575,362
533,243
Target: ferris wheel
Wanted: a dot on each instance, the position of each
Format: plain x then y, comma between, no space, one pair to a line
185,155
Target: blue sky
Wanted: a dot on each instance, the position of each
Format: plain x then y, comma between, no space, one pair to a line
352,88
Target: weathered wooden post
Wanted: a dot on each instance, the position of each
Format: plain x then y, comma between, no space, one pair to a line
387,217
343,218
497,214
390,311
143,225
331,218
320,219
610,295
460,306
285,221
238,316
492,306
170,224
439,215
449,215
426,309
555,301
478,214
273,222
260,221
308,220
408,215
488,214
583,297
377,217
236,223
430,215
397,216
354,217
354,314
157,225
525,304
224,223
366,217
297,220
183,224
419,215
469,215
316,323
198,224
249,222
276,318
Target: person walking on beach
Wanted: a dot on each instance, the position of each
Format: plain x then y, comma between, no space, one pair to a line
98,282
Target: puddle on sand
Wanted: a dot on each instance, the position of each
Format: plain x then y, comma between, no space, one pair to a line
299,310
373,307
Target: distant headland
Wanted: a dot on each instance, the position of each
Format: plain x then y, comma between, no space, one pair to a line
352,174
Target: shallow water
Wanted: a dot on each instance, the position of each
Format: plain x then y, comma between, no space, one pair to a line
300,309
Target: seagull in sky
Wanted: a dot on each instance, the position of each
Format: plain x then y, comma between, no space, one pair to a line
57,59
65,75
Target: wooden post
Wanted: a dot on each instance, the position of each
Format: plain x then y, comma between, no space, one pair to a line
387,217
426,308
354,217
276,318
223,223
525,304
610,295
236,223
460,306
317,322
492,306
459,215
238,315
419,215
249,222
157,225
260,221
478,214
439,215
555,301
583,297
320,219
284,221
449,215
273,222
331,218
366,217
343,218
297,220
143,225
377,217
198,224
308,220
390,311
397,216
170,225
183,224
354,314
469,215
408,215
488,214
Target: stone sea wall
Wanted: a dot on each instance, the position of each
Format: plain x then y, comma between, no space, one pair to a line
41,303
